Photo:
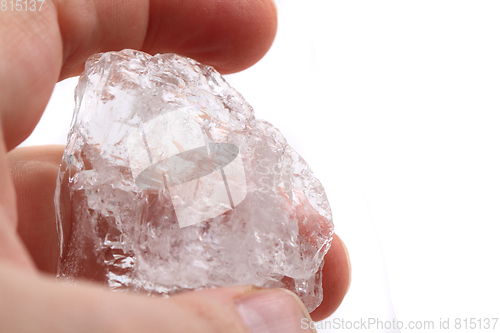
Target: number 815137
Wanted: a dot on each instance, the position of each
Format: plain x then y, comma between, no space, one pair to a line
21,5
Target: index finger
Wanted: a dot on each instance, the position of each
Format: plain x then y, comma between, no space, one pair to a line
41,47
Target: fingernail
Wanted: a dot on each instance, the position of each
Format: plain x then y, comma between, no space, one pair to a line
274,310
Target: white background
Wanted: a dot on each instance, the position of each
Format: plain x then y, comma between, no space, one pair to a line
396,106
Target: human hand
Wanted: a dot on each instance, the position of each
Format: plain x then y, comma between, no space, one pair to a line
38,49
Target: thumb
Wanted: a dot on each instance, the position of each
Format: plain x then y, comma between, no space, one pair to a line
30,303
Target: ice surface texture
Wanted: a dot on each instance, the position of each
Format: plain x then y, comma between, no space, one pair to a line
168,183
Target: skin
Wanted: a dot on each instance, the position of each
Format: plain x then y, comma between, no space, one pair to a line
40,48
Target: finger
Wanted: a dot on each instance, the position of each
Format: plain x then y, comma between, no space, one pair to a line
229,35
336,279
11,247
34,170
53,307
41,46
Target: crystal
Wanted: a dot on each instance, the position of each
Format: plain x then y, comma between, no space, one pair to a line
168,183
